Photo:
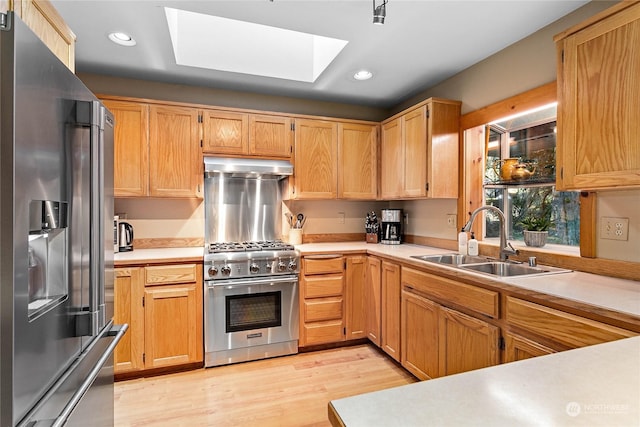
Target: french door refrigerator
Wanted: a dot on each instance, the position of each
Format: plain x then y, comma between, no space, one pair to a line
56,241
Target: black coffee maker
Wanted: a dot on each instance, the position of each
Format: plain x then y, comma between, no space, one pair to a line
391,233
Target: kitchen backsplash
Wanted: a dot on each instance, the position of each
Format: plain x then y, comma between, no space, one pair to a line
158,218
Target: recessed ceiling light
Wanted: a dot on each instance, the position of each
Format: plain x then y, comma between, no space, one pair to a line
363,75
122,39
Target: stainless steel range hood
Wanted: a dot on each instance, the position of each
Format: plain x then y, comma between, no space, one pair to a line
247,168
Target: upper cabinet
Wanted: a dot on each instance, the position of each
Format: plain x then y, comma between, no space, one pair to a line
130,147
156,150
46,22
419,149
175,161
599,101
335,160
316,165
242,134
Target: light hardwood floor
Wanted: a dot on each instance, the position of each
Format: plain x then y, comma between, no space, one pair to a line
284,391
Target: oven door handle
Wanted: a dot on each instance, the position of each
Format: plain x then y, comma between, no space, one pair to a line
252,281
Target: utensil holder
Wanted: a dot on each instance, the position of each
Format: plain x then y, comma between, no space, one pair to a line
295,236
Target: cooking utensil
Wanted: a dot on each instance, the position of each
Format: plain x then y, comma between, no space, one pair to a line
300,220
289,218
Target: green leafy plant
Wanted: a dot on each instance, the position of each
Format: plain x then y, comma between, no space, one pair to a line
534,223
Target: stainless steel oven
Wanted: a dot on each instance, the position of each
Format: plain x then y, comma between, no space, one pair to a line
250,319
250,305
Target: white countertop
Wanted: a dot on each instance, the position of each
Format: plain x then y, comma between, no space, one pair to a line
591,386
142,255
601,291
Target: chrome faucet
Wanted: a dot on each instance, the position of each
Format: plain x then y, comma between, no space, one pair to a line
505,247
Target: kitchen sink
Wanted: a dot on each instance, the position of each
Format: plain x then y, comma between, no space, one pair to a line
452,259
489,266
507,269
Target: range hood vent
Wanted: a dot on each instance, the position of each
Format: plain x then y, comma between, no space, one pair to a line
247,168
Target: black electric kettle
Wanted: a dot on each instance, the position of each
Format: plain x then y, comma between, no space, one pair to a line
125,237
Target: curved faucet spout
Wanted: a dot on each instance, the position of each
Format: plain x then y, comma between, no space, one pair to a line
505,247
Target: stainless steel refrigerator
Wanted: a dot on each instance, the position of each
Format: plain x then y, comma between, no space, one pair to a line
56,241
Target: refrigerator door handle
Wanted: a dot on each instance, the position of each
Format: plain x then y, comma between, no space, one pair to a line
116,331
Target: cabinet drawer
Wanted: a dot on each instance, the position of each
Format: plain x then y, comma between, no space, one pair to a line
322,286
169,274
322,309
564,328
323,332
478,299
322,264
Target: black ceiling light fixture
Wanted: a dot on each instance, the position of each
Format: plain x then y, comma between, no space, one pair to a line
379,12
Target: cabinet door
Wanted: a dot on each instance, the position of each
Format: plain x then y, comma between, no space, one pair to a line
316,164
354,299
415,153
174,152
357,161
392,160
173,325
443,127
372,299
599,114
127,308
270,136
420,323
45,21
130,148
391,309
520,348
225,132
466,343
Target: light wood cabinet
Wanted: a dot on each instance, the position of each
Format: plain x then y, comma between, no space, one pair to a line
438,340
322,300
420,152
335,160
357,161
130,148
599,101
420,350
390,309
156,150
128,295
521,348
163,306
175,161
373,301
44,20
244,134
316,165
466,343
356,317
565,329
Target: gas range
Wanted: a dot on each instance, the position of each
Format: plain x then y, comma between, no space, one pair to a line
237,260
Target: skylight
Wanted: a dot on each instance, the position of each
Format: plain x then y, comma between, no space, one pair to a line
207,41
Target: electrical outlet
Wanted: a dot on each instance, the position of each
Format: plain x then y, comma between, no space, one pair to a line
340,217
451,220
614,228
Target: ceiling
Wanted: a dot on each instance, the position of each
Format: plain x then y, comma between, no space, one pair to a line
421,43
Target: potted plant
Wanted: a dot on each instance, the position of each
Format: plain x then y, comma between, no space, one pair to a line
536,228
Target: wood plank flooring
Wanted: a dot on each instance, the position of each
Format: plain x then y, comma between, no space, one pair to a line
285,391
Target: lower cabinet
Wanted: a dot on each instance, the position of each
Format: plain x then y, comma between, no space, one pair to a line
390,309
372,299
322,300
521,348
332,299
437,340
163,306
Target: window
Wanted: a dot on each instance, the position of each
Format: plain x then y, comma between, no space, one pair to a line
519,178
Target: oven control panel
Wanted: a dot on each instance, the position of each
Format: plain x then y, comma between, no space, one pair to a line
233,266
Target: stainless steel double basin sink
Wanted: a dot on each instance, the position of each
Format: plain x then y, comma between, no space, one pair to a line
489,266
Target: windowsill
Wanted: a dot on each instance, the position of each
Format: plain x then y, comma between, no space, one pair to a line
549,248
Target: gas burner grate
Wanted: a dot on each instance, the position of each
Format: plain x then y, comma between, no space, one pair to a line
274,245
